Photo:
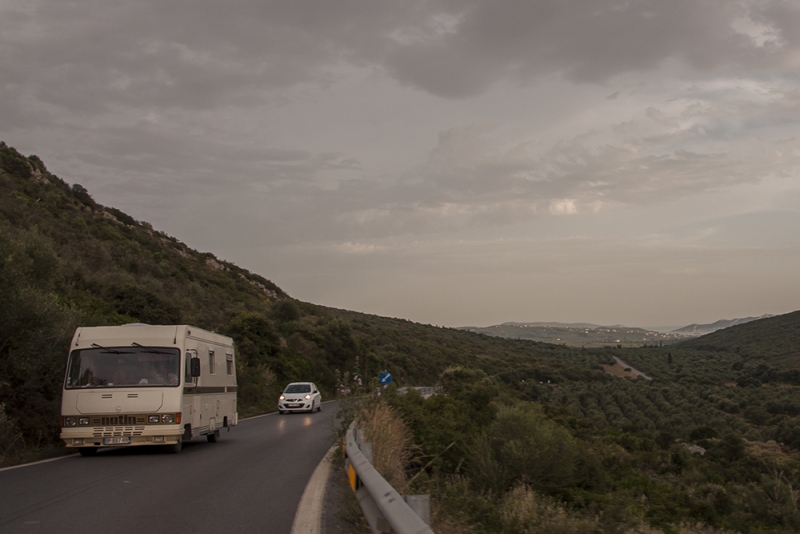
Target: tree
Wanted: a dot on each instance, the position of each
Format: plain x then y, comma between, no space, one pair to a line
35,328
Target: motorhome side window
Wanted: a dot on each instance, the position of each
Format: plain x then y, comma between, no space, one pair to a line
212,362
229,363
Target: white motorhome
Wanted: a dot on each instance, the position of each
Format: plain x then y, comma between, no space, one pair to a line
147,385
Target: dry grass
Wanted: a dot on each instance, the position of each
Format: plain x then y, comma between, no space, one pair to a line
449,510
772,451
445,522
523,511
392,443
701,528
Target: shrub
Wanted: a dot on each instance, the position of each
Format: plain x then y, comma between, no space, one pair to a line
523,445
11,440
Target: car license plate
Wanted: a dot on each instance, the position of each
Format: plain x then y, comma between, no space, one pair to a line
116,441
295,406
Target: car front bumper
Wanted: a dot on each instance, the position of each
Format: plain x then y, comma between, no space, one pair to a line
294,406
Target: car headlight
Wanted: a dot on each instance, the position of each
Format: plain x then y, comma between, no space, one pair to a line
282,397
153,419
308,396
84,421
168,418
70,421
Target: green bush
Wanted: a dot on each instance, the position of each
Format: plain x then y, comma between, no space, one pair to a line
523,445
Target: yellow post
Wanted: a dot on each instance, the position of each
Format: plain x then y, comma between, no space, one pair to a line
351,474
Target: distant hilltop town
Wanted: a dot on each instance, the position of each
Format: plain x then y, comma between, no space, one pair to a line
591,335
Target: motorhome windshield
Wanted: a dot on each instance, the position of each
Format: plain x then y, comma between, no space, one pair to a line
132,366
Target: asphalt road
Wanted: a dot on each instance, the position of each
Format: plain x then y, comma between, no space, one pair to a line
250,481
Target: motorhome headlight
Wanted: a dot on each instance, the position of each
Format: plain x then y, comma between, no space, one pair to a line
70,421
168,418
83,421
308,396
153,419
282,397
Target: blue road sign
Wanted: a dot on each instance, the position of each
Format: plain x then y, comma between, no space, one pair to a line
385,378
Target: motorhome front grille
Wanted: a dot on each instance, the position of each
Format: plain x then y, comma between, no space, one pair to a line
117,420
110,432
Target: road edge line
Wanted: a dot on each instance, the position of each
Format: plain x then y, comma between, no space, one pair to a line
47,460
308,518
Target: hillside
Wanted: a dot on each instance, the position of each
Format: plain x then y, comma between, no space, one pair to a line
702,329
773,339
525,427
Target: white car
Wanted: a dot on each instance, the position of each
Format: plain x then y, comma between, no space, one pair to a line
300,397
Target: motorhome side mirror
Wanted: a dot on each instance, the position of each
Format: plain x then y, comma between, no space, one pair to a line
195,367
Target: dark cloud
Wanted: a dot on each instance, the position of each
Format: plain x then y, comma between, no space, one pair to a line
153,65
589,41
85,56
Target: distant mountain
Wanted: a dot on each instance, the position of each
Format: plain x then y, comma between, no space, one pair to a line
702,329
578,334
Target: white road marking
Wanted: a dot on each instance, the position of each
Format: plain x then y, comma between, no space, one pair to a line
39,462
308,519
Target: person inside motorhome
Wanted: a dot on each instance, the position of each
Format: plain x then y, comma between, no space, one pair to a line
162,375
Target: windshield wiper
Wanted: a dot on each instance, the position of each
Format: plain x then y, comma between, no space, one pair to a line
110,351
151,350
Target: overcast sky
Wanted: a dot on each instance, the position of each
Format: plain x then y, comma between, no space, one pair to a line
450,162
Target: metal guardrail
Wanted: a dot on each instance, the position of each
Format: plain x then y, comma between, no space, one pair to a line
386,510
425,391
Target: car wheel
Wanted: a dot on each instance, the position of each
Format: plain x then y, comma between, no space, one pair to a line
281,412
319,408
175,448
88,451
213,438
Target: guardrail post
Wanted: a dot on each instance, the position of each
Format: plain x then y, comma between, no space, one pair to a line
366,450
421,504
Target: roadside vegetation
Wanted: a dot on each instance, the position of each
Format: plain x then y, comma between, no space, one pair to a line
524,437
496,461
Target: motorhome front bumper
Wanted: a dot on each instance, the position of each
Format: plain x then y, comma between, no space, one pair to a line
121,435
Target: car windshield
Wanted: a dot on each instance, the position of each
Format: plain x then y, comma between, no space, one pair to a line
298,388
134,366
